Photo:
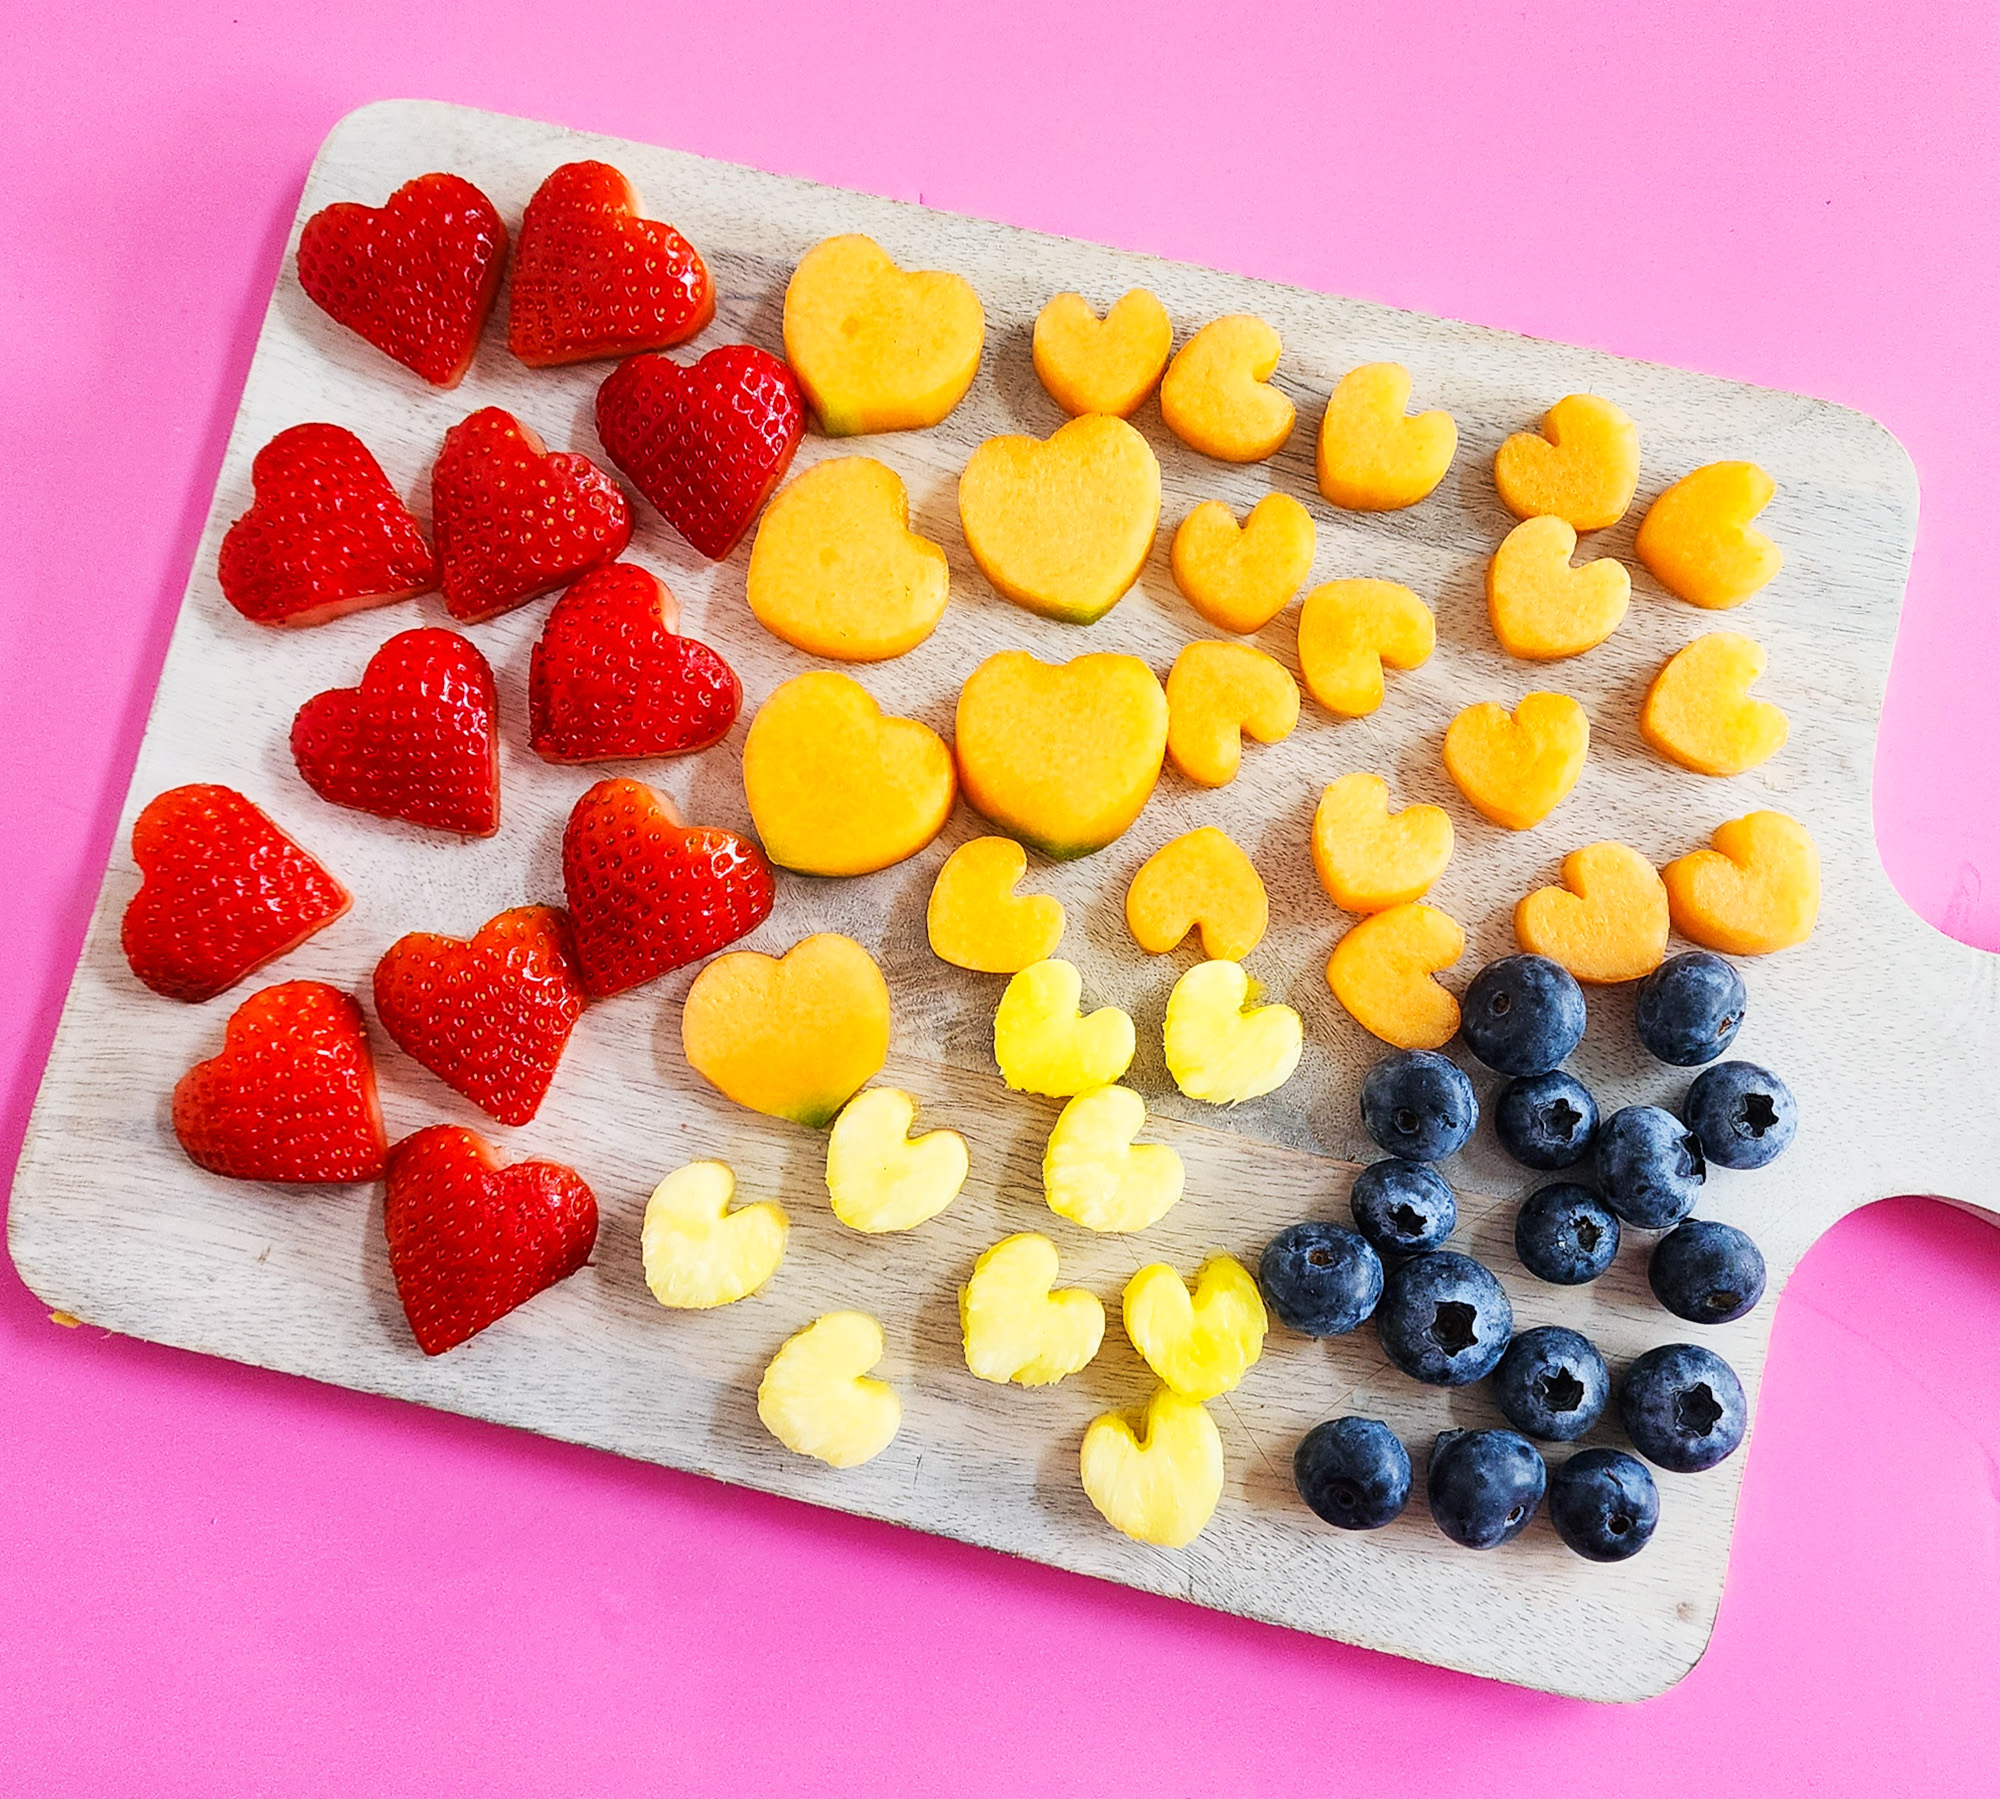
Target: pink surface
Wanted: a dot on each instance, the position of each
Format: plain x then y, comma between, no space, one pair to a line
217,1581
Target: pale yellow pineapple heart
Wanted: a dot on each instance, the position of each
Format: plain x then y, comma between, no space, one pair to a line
696,1251
1094,1174
1221,1046
1015,1328
816,1397
1043,1042
878,1176
1200,1345
1159,1484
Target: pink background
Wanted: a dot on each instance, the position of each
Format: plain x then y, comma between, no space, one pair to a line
218,1581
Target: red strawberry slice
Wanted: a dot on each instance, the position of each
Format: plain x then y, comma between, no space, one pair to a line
648,894
418,739
488,1017
705,444
592,278
609,678
514,520
325,534
470,1240
415,277
292,1095
222,891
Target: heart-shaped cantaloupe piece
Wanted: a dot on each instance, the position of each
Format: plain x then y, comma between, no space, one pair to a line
1582,467
1755,891
1516,769
696,1251
977,921
1203,1345
1159,1483
1217,397
1094,1175
1349,631
1697,541
1222,1047
1369,859
1382,970
1372,456
1106,365
1015,1328
1239,577
1543,609
1044,1044
1607,922
1218,694
1200,879
816,1397
878,1176
1699,712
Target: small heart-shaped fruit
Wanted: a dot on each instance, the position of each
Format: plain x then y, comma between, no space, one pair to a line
1699,712
977,921
1368,859
1381,972
1199,879
1349,631
837,789
291,1097
1582,467
696,1251
1043,1042
1015,1329
1756,891
1218,693
1094,1175
836,570
816,1397
1108,365
876,348
879,1177
1606,923
469,1240
1063,527
1200,1347
1222,1047
794,1036
1217,397
1516,769
1159,1484
592,278
1372,456
1239,577
1697,541
1542,609
1063,755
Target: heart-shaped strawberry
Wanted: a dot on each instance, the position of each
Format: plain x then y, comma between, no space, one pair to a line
469,1240
418,739
292,1095
648,894
513,519
222,891
592,278
705,444
609,678
488,1017
416,277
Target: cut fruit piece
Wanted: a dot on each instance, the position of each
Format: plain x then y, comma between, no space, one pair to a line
976,920
1200,1346
1043,1042
1015,1328
1372,457
1217,694
697,1252
1699,712
881,1178
1382,970
1581,467
1608,921
1368,859
1221,1046
1217,397
816,1397
1543,609
1697,541
1160,1483
1104,365
1239,579
1349,631
1755,892
1517,768
1199,879
1096,1176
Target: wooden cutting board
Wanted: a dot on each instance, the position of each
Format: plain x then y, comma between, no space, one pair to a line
1883,1027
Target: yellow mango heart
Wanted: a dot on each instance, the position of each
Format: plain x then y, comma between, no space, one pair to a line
1699,712
1094,1175
1239,577
1582,467
816,1397
696,1251
875,348
1063,755
1063,527
1160,1483
1368,858
1217,694
1222,1047
1015,1328
1755,891
1381,972
977,921
1374,458
1106,365
1516,769
1696,539
1349,631
878,1176
837,789
1606,923
1043,1042
1217,397
1203,1345
836,570
1543,609
1200,879
793,1036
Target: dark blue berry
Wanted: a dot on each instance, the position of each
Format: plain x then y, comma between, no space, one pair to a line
1683,1407
1705,1272
1545,1120
1604,1504
1522,1014
1565,1234
1418,1104
1403,1208
1354,1472
1552,1384
1484,1485
1690,1008
1444,1319
1649,1167
1744,1115
1320,1279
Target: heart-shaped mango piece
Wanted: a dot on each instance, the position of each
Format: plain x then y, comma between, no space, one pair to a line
1581,467
1043,1042
1094,1175
1106,365
1239,577
1606,923
1015,1328
878,1176
1062,527
1349,631
1382,970
1200,879
794,1036
836,570
1697,541
1373,457
976,919
1542,608
1217,397
1200,1345
1755,891
696,1251
837,789
1159,1483
1368,858
876,348
1063,755
1517,768
1699,712
816,1397
1218,694
1222,1047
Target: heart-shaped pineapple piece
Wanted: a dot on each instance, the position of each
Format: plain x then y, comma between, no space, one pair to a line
1369,859
1755,891
816,1397
1203,1345
976,919
1517,768
1217,396
1043,1042
1581,467
1699,712
1542,608
1382,970
1606,923
1218,694
1106,365
1199,880
1239,577
1697,541
879,1177
1160,1483
1222,1046
1349,631
1094,1175
1015,1328
696,1251
1373,457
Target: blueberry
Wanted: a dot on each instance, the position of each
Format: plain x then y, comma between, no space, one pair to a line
1744,1115
1690,1008
1705,1272
1484,1485
1522,1014
1545,1120
1320,1279
1683,1407
1565,1234
1354,1472
1403,1208
1444,1319
1604,1504
1418,1104
1649,1167
1552,1384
